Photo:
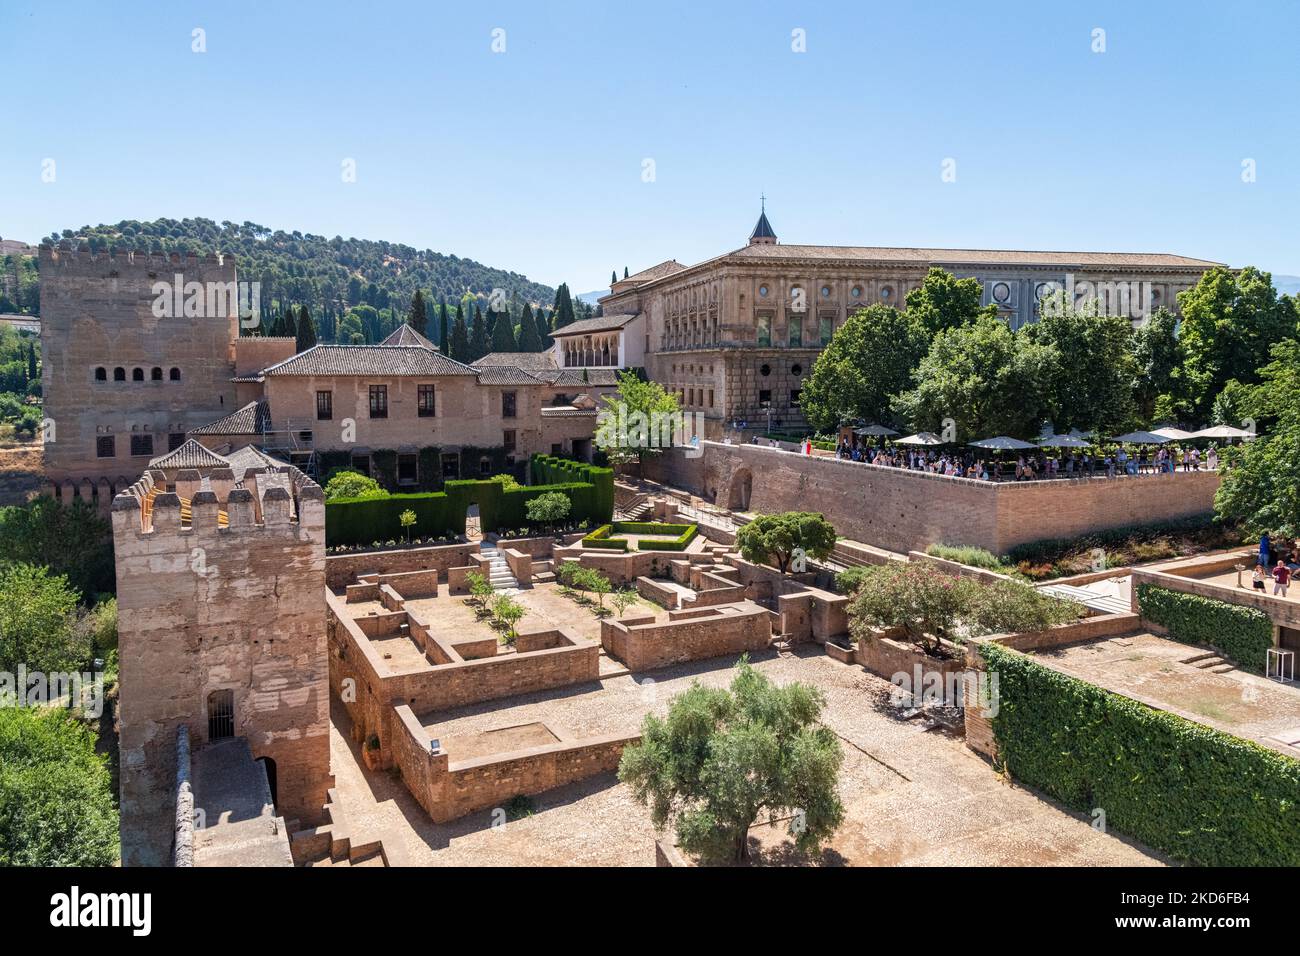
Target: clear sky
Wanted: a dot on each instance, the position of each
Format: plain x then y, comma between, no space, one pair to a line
533,159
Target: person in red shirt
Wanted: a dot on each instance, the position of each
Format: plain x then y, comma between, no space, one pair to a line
1281,578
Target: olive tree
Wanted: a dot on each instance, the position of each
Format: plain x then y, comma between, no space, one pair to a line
780,538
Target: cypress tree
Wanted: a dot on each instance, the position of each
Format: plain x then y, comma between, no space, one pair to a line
544,329
503,334
529,340
288,327
478,340
459,338
306,331
418,317
563,314
613,277
625,272
443,341
32,374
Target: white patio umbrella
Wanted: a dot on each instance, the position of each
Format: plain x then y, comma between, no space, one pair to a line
1140,438
1222,431
1173,434
920,438
1063,441
1003,443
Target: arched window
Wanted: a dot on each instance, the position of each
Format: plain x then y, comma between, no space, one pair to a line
174,375
155,375
137,375
101,374
119,374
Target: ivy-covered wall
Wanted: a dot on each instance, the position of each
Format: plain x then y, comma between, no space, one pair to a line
1242,634
1201,796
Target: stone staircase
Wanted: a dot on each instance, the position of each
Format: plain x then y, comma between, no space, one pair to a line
1208,661
640,512
498,571
331,843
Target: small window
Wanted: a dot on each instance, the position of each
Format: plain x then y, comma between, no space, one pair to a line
557,449
796,331
765,330
827,330
765,396
485,466
175,440
155,374
361,463
508,405
101,374
794,396
378,401
324,406
174,375
765,370
105,447
221,715
796,369
508,441
137,375
406,469
119,374
424,394
710,398
451,466
141,445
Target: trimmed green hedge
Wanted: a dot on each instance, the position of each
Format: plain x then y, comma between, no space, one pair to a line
600,538
548,469
677,544
1243,634
1202,796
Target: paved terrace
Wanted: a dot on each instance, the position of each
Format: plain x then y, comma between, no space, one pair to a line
911,797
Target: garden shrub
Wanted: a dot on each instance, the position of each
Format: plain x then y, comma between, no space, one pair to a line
1202,796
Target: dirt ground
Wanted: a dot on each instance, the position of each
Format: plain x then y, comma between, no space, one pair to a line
22,473
1154,667
911,796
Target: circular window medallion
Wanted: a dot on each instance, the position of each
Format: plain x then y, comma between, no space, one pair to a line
796,369
857,292
1042,290
1001,292
762,290
886,292
826,292
765,369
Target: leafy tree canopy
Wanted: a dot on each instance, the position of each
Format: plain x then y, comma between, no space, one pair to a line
775,538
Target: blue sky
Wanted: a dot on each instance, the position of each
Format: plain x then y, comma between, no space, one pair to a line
533,159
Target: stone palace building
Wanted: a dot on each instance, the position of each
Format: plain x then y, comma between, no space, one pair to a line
735,335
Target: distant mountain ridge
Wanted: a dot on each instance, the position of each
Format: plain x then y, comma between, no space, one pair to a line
312,270
1287,284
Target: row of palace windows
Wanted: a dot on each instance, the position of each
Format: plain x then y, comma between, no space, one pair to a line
794,330
137,374
141,445
408,465
695,397
425,403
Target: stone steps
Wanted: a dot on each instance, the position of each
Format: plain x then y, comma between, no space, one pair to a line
499,574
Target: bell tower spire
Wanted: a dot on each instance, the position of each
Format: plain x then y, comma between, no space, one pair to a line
763,235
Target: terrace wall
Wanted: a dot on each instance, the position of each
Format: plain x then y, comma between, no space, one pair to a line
689,635
906,510
344,569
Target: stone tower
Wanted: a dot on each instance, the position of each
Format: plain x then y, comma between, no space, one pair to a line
221,620
122,383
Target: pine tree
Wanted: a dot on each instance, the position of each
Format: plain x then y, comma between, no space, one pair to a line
306,331
503,334
418,318
478,339
460,338
443,341
529,340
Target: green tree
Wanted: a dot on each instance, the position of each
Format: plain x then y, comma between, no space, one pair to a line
509,613
349,483
869,360
562,314
529,340
548,509
478,342
503,334
638,420
71,540
38,621
407,520
305,336
32,373
444,329
460,349
1230,322
480,589
984,378
56,793
1158,359
1260,490
1088,382
722,758
417,316
942,301
778,538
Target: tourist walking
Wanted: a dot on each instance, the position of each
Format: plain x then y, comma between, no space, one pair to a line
1281,578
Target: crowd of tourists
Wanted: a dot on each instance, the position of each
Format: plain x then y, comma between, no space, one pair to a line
1032,466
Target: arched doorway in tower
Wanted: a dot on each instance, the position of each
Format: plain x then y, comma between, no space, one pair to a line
738,493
